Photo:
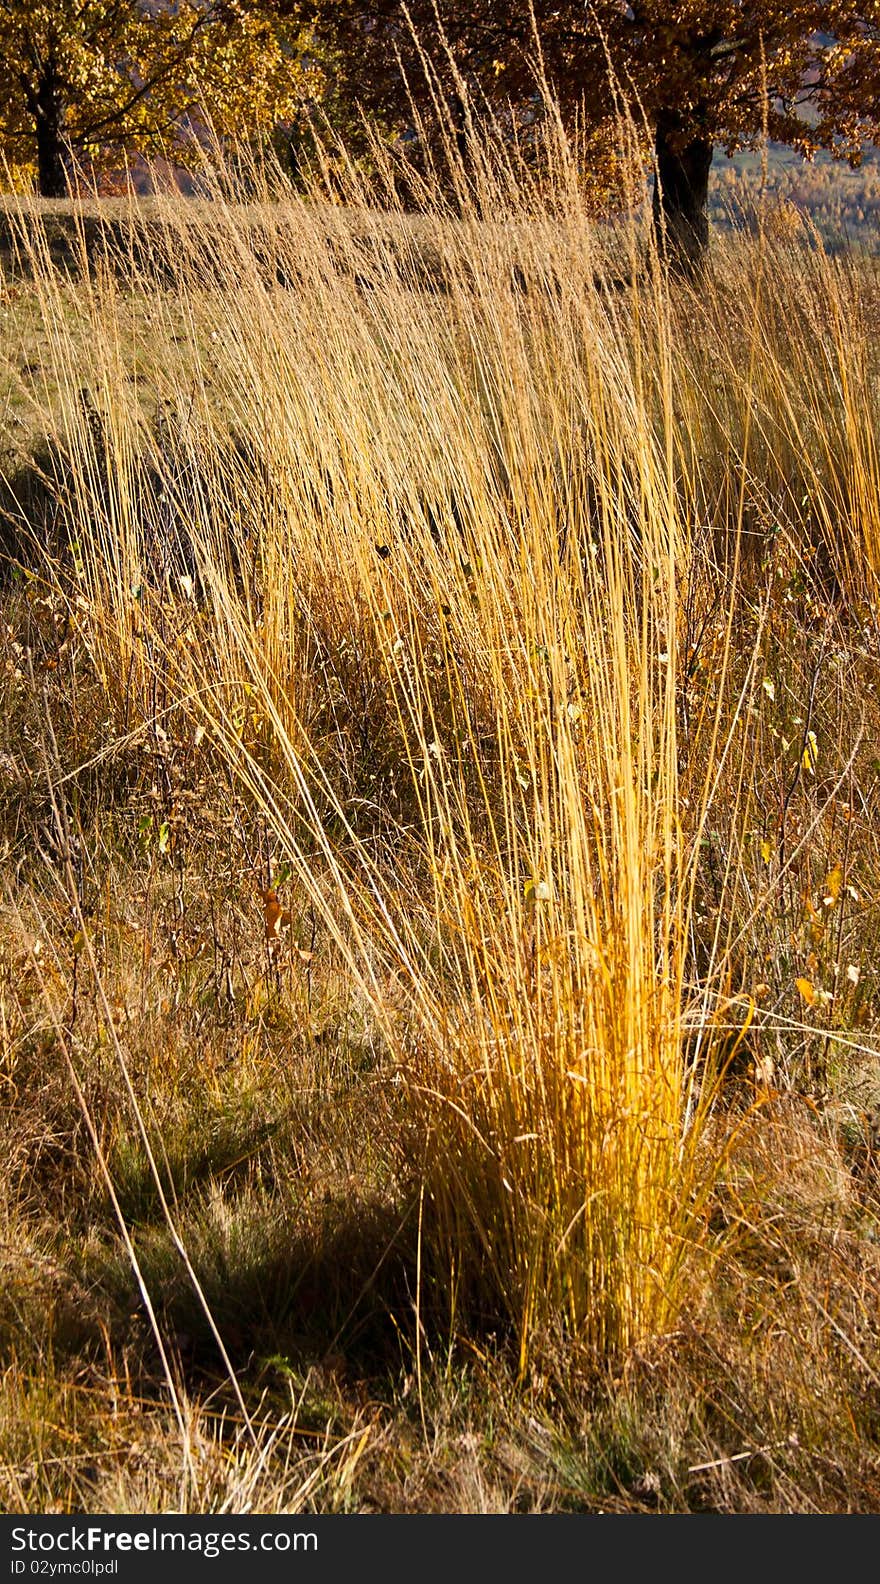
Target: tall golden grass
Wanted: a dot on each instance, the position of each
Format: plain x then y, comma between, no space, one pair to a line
456,537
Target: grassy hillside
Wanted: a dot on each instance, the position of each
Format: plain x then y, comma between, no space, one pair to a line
841,203
439,1004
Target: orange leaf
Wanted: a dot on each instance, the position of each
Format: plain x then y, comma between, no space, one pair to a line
806,990
275,915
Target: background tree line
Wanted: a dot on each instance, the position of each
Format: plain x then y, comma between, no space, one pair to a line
93,81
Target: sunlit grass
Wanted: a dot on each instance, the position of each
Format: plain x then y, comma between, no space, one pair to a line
482,640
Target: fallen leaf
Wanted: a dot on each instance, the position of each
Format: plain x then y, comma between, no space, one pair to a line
274,914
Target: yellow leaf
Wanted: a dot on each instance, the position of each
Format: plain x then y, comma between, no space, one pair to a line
806,989
810,911
810,753
833,886
535,891
766,850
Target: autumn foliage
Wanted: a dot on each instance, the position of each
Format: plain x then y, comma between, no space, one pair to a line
438,806
88,82
688,76
439,793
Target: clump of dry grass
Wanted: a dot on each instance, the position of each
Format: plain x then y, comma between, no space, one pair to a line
443,708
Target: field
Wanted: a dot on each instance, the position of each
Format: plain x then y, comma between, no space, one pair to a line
439,779
842,204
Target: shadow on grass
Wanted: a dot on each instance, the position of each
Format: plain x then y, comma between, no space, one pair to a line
283,1287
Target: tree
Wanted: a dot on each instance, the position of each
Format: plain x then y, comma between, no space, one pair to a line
90,80
693,73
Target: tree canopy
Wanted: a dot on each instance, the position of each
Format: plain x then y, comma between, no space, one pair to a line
693,73
90,78
86,79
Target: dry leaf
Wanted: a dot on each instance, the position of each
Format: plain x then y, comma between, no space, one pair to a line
806,989
833,886
810,753
274,914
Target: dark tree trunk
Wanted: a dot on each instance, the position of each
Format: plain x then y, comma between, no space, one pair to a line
681,195
462,173
459,118
49,117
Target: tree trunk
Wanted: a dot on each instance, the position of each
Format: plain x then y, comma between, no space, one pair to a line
462,172
51,172
681,195
459,119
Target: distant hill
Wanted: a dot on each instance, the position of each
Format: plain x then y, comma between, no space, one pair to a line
842,203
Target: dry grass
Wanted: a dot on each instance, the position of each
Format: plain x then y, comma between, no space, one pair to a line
437,955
